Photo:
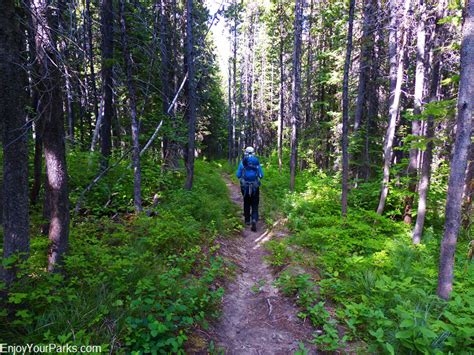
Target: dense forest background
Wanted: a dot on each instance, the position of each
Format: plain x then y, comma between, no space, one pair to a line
118,123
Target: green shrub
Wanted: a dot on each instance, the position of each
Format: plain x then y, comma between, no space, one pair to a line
383,287
131,283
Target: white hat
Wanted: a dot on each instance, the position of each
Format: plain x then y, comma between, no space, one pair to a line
249,150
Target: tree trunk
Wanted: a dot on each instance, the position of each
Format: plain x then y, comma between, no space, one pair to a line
230,122
90,53
309,69
459,160
469,191
15,148
418,103
427,155
37,162
377,56
64,50
365,61
281,115
137,191
38,123
295,92
249,83
234,78
165,77
191,112
345,112
396,79
107,28
50,104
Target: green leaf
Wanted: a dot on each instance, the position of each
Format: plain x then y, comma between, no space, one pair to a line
404,334
389,348
407,323
428,333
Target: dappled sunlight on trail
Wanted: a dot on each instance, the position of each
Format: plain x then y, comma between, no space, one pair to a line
256,318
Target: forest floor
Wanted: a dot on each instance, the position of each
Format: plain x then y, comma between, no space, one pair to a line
256,317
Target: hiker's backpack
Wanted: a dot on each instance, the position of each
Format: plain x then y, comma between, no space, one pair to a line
250,171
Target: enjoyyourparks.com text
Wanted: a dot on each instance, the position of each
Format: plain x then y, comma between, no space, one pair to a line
48,348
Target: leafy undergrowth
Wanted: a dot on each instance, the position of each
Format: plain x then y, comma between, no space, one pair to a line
130,283
362,283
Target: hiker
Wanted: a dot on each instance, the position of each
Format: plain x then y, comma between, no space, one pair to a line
250,172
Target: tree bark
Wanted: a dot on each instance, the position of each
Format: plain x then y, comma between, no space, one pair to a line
37,162
418,103
367,48
295,92
90,53
165,77
377,56
397,64
191,111
50,104
469,190
234,78
64,51
132,98
230,122
427,155
107,18
38,123
281,116
15,148
459,160
309,69
345,112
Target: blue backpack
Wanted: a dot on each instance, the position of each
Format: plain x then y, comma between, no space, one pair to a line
250,171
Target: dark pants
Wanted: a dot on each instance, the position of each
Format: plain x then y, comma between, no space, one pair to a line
251,203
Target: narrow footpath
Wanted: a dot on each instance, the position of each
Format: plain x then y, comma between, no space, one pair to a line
257,318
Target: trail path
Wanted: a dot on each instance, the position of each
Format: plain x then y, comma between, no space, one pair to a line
257,318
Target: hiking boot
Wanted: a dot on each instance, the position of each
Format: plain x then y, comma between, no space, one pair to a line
247,223
254,226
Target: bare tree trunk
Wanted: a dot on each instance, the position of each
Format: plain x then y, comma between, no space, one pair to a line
234,74
191,112
167,146
38,123
64,51
428,153
86,85
249,81
469,191
459,161
396,79
230,122
15,148
90,53
309,71
418,103
137,199
345,112
281,115
365,61
295,95
376,58
107,82
69,104
46,25
37,163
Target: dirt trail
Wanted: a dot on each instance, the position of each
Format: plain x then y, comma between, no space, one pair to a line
257,318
